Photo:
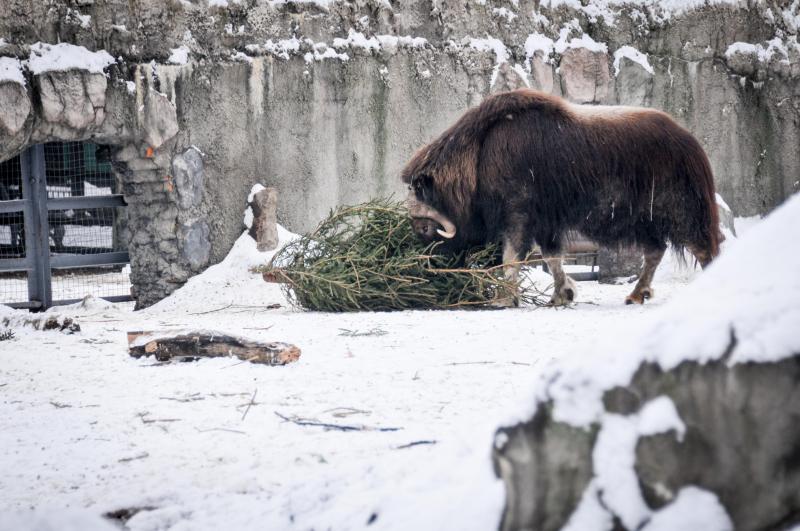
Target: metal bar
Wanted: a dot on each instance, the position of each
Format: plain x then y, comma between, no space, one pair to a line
109,298
30,305
64,261
15,205
83,202
584,276
34,280
15,264
77,249
40,226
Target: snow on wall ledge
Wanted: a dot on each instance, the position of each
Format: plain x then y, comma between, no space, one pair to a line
704,396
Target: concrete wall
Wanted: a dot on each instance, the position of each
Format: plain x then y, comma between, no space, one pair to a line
245,109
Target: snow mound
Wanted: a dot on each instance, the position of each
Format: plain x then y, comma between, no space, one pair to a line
735,296
536,42
179,55
693,508
229,282
88,304
629,52
62,57
55,520
11,70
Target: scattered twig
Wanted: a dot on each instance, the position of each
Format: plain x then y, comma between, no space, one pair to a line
250,404
357,333
191,398
486,363
234,364
59,405
221,429
341,427
7,335
151,421
341,412
415,443
212,311
142,455
273,306
258,328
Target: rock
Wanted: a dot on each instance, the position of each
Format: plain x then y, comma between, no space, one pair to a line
160,120
693,421
187,170
507,79
634,84
195,245
541,73
264,227
741,438
15,107
585,75
73,100
547,463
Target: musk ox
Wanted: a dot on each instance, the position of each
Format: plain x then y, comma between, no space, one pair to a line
528,168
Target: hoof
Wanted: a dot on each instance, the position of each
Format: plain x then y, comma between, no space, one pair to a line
565,295
639,296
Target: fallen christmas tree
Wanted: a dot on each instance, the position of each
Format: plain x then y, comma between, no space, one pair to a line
367,258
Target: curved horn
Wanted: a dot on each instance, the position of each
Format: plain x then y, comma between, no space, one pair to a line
420,210
449,231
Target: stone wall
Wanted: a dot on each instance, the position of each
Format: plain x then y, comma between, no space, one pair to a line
326,100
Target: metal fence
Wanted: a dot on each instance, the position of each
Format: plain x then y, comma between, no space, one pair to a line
61,227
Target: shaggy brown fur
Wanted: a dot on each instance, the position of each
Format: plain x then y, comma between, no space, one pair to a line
528,167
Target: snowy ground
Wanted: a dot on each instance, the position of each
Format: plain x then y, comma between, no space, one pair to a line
200,445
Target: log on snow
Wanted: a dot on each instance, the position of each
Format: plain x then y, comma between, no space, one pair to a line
193,345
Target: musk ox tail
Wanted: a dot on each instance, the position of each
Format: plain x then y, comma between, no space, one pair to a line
708,237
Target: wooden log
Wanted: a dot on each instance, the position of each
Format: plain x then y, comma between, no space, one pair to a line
189,346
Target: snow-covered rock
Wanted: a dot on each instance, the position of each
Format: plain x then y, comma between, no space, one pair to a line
692,416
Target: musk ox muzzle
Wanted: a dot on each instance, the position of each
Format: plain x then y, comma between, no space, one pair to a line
427,222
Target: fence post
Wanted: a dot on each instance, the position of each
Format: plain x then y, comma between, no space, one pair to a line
37,229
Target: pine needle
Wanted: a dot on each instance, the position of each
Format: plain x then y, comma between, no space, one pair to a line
367,258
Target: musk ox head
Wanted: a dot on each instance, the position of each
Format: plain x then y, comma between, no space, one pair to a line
429,223
442,184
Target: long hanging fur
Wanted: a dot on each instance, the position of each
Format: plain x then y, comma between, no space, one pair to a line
532,162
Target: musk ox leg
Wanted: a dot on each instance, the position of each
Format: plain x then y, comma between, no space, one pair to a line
642,291
511,267
564,288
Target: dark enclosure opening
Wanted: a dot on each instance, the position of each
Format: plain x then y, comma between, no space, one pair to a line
76,219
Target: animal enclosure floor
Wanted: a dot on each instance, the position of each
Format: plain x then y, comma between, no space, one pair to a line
202,446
